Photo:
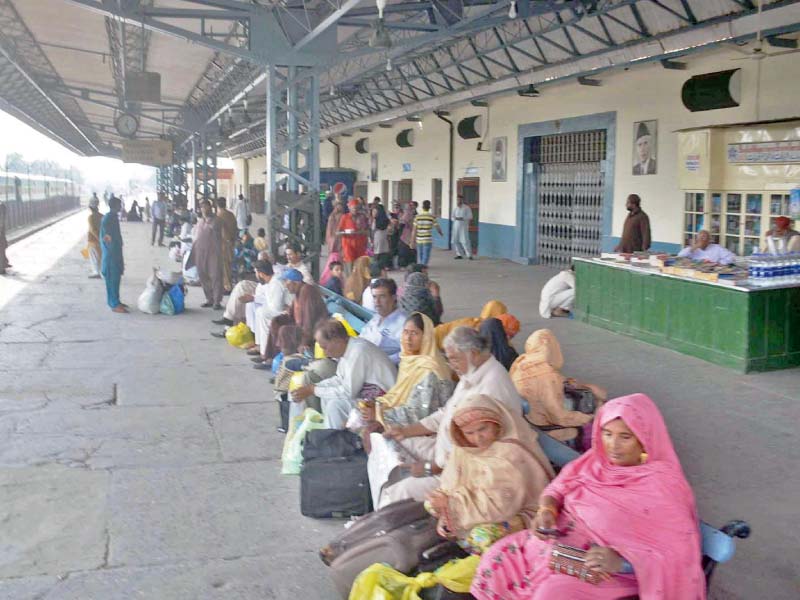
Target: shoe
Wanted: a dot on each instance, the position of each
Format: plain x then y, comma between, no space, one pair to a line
160,245
459,257
470,258
257,359
254,352
222,321
272,380
123,305
119,309
206,305
281,430
262,367
94,276
217,334
218,306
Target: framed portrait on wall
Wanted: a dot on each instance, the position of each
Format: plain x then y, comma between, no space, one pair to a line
499,146
645,144
373,167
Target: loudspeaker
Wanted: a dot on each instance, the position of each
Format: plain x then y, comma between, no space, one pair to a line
711,91
405,139
362,145
470,128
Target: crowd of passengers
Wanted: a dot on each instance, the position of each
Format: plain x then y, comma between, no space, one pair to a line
439,406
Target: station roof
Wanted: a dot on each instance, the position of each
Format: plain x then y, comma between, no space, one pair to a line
66,65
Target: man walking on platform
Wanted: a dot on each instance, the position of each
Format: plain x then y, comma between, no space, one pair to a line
636,231
462,217
242,210
113,265
207,256
159,212
423,232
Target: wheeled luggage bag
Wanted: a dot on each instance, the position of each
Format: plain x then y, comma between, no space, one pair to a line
397,535
335,487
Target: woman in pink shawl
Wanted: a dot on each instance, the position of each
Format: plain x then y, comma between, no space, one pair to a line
326,272
625,501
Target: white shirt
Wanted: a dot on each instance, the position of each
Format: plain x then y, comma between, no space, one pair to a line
362,362
304,271
159,210
272,297
367,301
713,253
563,281
385,333
492,379
241,211
463,212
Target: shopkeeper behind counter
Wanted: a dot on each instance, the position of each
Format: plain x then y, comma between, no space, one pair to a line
703,249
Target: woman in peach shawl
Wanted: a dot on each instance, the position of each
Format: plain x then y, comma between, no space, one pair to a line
358,280
491,484
537,376
626,502
332,238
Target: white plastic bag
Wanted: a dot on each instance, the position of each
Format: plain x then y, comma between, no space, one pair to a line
150,299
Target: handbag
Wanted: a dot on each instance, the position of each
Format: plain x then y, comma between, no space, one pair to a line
572,561
579,398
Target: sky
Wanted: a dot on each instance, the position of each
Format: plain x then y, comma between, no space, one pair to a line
19,137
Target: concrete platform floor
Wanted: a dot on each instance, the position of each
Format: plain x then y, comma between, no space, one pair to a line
139,458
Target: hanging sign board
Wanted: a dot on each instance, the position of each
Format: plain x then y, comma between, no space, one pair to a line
157,153
765,152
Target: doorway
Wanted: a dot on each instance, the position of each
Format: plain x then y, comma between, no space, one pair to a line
469,188
361,189
404,191
257,204
385,194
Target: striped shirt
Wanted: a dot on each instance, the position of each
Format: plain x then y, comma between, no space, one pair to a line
424,224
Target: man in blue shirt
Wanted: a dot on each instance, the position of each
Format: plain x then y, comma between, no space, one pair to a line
386,327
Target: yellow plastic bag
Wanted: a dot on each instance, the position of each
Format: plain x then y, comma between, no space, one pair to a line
297,380
381,582
318,351
239,336
350,331
292,455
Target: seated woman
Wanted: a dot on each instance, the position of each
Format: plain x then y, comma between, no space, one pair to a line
537,377
492,329
424,384
493,308
417,297
491,484
358,280
626,502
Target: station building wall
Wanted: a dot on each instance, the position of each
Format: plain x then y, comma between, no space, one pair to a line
642,93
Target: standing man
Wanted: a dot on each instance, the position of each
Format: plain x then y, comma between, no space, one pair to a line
4,264
93,237
462,217
422,233
159,219
207,256
645,163
230,233
113,264
636,231
242,213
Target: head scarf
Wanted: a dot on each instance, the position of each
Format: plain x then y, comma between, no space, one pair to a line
309,310
381,218
416,296
497,483
415,367
358,280
543,345
510,324
443,330
326,272
492,329
783,222
493,308
645,512
333,224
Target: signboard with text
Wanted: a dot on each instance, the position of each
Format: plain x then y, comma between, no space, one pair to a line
157,153
765,152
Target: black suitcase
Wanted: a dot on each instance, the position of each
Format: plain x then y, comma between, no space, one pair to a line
331,443
335,487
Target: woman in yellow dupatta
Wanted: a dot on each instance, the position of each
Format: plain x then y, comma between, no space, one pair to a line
537,376
424,384
492,481
493,308
358,280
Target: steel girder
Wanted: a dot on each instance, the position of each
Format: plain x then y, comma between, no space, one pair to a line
26,76
128,49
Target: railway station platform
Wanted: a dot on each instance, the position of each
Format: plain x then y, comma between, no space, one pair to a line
139,457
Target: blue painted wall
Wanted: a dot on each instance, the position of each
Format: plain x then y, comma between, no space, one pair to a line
610,242
440,241
495,241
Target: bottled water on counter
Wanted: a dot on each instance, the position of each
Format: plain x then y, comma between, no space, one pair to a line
769,271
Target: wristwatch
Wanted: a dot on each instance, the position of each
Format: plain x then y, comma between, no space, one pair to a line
428,467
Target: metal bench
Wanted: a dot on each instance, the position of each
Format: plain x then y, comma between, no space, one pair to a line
355,314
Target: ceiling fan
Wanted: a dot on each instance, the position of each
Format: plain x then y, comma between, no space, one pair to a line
758,51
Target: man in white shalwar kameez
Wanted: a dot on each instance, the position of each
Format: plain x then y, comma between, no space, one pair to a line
480,373
242,295
363,371
241,211
270,299
462,217
558,295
